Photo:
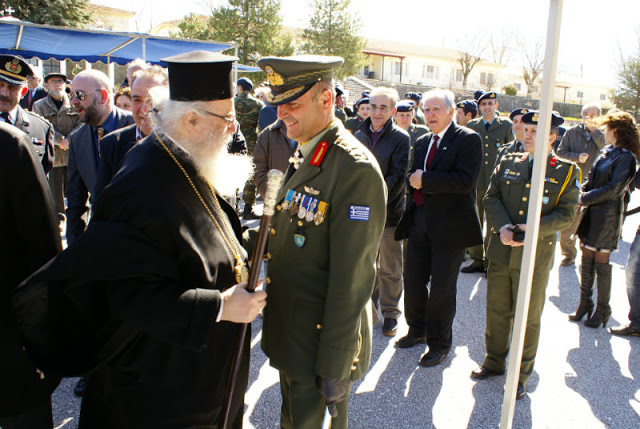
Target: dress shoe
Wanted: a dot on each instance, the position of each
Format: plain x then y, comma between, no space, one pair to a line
389,327
626,331
409,341
474,267
483,373
433,357
567,261
80,387
522,390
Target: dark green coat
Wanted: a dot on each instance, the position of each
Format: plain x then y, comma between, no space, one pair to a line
318,315
499,133
247,111
415,131
507,202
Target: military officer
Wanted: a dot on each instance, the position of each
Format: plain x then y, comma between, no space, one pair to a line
517,127
247,111
466,111
363,110
324,240
416,97
494,131
340,104
404,119
505,206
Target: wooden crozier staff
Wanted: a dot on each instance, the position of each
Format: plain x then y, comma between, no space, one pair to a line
274,181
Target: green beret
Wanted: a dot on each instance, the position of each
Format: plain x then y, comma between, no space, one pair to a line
291,77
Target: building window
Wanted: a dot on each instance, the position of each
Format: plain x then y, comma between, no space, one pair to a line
405,68
580,94
603,97
459,76
430,72
487,78
395,68
518,86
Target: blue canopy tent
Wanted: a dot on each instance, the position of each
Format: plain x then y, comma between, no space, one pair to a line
47,41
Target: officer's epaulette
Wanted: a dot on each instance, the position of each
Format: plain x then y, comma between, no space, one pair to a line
352,149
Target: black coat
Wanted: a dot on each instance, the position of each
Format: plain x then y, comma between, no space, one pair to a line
392,153
449,188
42,135
602,199
30,237
113,147
40,93
156,266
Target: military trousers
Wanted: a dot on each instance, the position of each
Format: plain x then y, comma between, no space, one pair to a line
389,284
303,407
477,252
568,240
502,294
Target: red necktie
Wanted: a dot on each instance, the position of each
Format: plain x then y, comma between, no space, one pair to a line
418,196
29,99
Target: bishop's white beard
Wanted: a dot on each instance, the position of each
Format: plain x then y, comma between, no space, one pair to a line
224,171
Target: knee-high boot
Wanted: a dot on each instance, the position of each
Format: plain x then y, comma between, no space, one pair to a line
587,277
603,310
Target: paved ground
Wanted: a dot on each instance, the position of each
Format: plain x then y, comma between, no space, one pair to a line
584,378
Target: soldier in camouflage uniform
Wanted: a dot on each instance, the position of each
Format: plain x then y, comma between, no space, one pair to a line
494,132
247,111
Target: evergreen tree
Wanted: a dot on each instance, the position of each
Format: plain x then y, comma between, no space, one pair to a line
255,25
333,30
68,13
626,95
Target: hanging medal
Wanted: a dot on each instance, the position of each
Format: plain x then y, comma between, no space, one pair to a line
304,206
321,213
295,204
311,211
287,199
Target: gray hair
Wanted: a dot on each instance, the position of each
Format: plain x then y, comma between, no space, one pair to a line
167,114
390,93
138,62
157,73
445,95
591,106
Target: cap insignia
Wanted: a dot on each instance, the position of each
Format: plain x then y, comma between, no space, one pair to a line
275,79
534,118
13,66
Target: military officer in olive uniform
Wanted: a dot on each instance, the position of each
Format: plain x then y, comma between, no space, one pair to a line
340,104
247,111
466,111
419,114
324,240
405,112
494,132
506,204
517,127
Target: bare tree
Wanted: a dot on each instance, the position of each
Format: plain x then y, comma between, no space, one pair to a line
499,47
490,82
532,62
470,51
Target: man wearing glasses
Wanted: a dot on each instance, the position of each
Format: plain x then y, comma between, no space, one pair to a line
35,92
92,99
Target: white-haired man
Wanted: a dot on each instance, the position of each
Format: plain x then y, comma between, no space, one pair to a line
92,99
178,290
443,222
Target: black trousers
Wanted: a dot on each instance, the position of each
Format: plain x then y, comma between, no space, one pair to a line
39,417
429,311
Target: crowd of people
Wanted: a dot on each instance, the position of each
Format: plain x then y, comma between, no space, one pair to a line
379,201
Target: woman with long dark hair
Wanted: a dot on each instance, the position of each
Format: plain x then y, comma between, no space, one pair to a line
602,202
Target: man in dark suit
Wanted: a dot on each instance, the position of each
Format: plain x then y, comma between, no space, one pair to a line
115,146
35,92
445,221
13,78
92,98
30,238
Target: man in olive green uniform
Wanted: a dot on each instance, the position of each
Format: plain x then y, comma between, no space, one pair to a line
506,204
494,132
404,119
340,103
419,114
517,126
323,244
466,111
247,112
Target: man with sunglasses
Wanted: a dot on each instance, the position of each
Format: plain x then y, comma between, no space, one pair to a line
92,99
13,85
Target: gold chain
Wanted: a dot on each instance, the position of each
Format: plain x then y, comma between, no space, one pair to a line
240,269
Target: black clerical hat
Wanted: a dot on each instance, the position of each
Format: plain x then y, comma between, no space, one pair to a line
200,76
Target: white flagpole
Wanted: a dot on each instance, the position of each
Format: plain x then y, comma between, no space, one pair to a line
533,214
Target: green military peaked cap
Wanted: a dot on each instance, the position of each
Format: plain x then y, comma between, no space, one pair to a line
291,77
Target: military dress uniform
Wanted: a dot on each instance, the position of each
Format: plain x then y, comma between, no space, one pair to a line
506,202
323,243
498,133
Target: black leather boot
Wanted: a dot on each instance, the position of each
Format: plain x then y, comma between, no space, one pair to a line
603,311
586,290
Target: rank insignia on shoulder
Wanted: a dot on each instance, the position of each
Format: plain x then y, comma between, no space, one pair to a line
360,213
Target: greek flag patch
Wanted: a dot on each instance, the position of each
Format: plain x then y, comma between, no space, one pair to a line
359,213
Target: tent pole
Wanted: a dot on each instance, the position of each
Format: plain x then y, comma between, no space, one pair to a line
533,214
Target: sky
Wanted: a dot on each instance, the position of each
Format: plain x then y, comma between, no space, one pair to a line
593,32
